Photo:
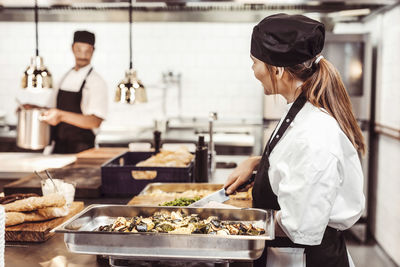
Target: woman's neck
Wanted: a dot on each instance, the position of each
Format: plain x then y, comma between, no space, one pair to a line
292,92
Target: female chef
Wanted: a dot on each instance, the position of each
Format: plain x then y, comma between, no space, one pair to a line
309,172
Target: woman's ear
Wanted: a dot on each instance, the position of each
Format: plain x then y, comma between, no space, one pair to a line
279,72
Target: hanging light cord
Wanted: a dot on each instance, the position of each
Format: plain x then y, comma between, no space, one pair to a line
130,34
36,27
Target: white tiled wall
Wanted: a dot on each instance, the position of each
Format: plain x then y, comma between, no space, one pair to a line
212,57
385,31
388,113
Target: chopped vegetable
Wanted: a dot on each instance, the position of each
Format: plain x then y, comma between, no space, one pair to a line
178,223
183,201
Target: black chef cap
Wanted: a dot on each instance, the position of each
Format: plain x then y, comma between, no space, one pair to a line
285,40
84,37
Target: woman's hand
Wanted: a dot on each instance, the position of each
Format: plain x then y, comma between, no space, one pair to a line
52,116
241,174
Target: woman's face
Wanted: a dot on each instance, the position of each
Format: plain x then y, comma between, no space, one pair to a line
262,74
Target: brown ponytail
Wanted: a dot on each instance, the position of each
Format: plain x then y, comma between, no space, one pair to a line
324,88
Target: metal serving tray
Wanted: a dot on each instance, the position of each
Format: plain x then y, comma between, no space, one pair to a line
179,187
80,237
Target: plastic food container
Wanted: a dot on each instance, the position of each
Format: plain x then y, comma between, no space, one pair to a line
118,174
67,189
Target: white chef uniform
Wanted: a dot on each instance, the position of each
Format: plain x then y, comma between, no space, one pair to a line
94,94
316,174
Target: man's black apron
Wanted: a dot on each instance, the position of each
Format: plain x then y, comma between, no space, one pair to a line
332,251
69,138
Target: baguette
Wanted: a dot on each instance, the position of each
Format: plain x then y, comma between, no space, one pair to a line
13,218
53,212
34,203
15,197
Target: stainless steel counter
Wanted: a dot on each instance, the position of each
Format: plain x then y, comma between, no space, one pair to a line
53,252
14,165
236,139
50,253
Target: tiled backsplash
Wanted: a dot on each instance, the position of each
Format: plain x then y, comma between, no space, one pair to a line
213,59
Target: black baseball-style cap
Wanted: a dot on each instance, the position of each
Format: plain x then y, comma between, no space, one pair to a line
285,40
84,37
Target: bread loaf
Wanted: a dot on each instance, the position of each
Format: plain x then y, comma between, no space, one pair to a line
53,212
13,218
34,203
15,197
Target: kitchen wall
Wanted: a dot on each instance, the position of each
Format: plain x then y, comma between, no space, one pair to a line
387,230
385,34
213,59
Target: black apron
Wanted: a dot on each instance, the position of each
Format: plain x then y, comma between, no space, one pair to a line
332,251
69,138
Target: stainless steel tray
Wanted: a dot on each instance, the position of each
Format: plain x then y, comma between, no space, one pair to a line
80,237
179,187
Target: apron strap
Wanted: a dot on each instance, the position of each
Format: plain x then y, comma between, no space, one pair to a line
84,81
296,107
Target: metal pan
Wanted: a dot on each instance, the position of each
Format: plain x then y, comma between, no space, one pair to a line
80,237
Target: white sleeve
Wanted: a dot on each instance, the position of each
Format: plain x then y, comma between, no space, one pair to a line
53,101
96,102
307,190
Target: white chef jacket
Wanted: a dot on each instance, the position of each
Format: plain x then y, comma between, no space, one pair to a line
94,93
316,174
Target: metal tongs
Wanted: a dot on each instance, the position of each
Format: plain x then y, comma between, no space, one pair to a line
44,179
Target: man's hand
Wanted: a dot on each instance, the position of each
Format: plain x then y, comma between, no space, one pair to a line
241,174
52,116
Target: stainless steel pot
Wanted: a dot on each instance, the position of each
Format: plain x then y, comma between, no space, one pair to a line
31,132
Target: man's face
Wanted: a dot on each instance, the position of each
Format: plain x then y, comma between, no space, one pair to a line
83,53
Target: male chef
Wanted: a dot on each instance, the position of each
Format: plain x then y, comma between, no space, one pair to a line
81,101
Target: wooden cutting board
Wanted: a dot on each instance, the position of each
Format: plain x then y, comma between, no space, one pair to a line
98,156
155,200
39,231
87,179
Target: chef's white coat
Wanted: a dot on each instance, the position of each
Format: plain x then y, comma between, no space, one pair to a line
316,174
94,94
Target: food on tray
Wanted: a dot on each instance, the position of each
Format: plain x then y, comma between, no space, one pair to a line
187,193
178,223
196,193
34,203
13,218
183,201
53,212
179,158
14,197
35,208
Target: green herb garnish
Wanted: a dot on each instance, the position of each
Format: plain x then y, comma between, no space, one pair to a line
183,201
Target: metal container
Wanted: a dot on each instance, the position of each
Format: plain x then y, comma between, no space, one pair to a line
31,132
80,237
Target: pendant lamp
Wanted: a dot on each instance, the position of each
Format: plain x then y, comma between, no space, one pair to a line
37,76
130,90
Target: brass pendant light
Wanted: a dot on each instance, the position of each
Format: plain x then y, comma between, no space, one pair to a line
37,76
130,90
